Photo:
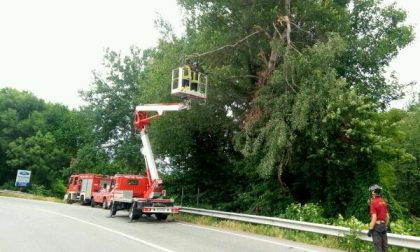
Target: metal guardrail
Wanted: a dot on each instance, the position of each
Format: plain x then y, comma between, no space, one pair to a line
404,241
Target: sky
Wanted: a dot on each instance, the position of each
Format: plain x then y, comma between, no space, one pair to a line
51,47
406,64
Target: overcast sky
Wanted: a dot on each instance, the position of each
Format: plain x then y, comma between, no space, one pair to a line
50,47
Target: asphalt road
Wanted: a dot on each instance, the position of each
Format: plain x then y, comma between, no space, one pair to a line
38,226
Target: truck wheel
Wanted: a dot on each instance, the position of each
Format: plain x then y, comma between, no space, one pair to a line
161,216
92,202
133,214
68,200
104,204
112,209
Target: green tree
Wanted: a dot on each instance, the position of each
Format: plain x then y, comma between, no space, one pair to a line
40,154
376,35
406,168
15,106
112,101
303,82
39,136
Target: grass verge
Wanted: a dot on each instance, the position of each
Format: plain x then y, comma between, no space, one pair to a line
22,195
348,243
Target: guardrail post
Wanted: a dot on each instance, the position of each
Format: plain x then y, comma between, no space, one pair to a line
198,195
182,195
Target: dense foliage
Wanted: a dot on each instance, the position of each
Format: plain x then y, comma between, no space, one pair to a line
38,136
295,112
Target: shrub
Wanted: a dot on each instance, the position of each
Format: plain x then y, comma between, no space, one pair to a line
9,185
39,190
58,188
308,212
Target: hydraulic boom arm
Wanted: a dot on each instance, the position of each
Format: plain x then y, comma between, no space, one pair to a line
141,121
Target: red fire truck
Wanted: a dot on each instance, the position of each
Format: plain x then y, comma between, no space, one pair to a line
81,187
102,197
131,185
128,192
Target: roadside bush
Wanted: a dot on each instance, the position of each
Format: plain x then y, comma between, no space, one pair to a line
350,242
39,190
308,212
58,188
406,227
9,185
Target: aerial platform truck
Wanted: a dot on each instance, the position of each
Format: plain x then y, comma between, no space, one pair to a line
150,200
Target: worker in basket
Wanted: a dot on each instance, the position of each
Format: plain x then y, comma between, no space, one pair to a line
194,74
186,75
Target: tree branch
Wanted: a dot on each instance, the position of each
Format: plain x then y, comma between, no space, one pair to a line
225,46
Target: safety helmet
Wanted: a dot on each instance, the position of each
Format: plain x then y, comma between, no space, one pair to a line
375,188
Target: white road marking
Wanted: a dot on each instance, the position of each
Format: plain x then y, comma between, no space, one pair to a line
109,230
249,237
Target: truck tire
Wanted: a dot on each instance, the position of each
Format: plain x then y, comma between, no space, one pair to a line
105,204
92,202
133,213
68,200
161,216
82,200
112,209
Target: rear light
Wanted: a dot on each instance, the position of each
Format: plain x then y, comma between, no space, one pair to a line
161,210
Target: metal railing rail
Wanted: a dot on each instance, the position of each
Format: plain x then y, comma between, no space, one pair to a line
404,241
